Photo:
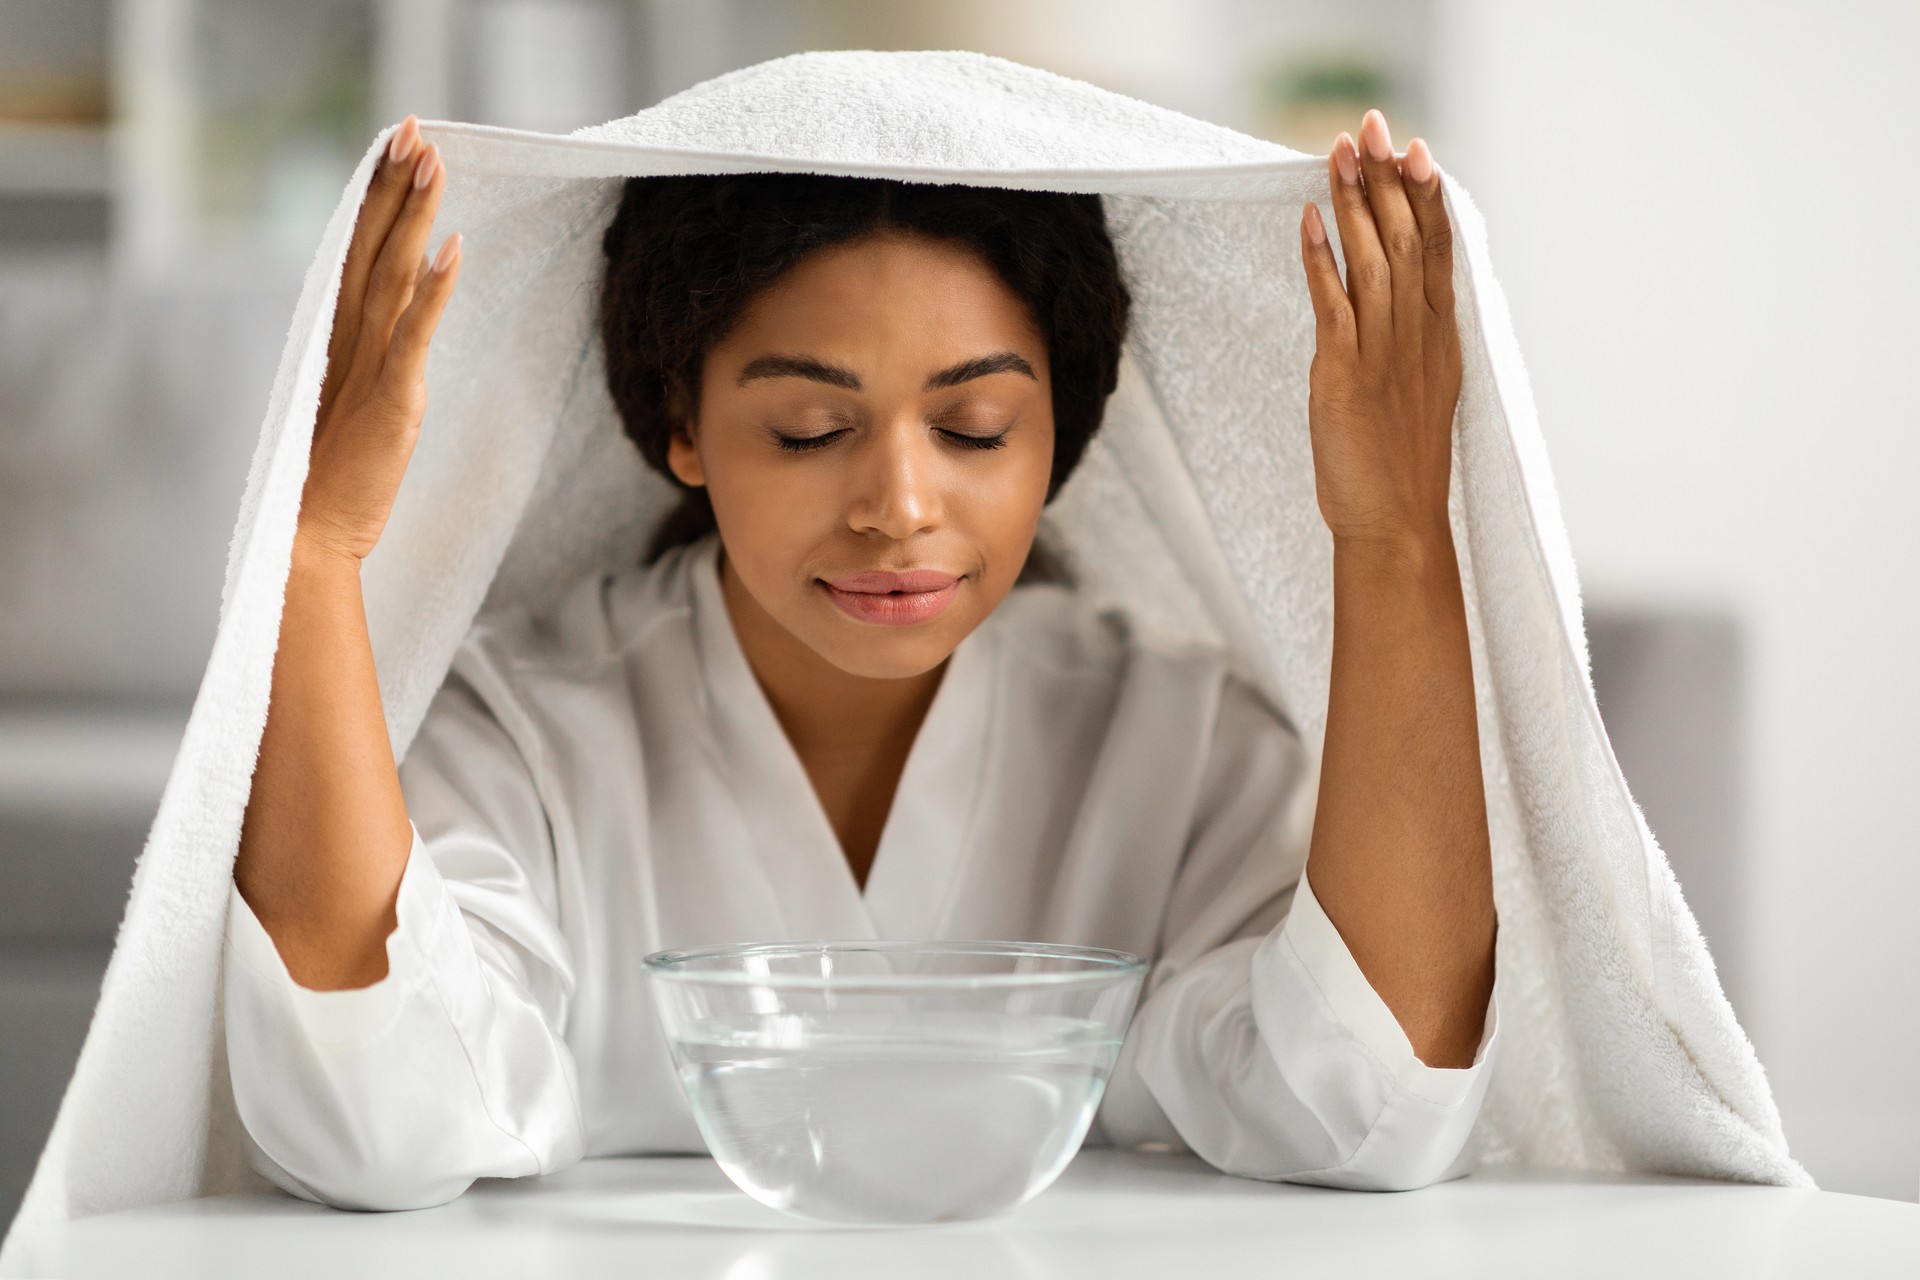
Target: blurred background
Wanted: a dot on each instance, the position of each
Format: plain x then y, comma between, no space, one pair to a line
1719,332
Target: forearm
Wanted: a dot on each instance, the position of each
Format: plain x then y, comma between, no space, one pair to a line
326,837
1400,859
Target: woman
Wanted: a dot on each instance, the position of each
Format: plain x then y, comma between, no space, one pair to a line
825,703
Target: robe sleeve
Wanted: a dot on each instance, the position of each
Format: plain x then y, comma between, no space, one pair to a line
1258,1043
451,1067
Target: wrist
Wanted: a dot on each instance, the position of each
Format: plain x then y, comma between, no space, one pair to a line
317,550
1405,553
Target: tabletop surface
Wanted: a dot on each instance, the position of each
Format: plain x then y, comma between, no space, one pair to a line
1112,1215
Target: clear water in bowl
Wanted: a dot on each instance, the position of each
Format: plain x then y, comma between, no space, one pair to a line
896,1119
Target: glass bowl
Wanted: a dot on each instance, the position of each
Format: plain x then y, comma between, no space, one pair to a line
894,1082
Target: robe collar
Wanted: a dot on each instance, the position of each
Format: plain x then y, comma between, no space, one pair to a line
927,837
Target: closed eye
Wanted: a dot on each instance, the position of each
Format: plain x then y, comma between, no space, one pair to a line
967,440
806,444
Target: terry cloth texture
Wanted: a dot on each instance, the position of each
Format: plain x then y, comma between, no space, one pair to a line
1195,506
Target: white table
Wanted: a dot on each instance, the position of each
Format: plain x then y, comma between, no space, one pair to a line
1112,1215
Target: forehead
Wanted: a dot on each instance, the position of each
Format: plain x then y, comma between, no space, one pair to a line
910,289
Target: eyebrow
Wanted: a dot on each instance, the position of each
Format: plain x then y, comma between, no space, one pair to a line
980,367
798,367
833,375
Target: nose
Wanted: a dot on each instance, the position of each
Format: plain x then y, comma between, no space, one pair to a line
896,489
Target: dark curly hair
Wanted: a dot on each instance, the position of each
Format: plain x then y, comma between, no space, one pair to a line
685,254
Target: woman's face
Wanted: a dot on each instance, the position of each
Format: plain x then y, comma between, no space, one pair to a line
876,434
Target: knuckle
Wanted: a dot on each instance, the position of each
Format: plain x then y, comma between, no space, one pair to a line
1373,273
400,393
1329,388
414,329
1403,241
386,274
1438,241
394,417
345,380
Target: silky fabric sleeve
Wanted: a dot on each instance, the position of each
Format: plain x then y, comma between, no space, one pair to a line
452,1066
1259,1043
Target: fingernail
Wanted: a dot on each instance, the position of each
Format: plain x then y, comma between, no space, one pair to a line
448,252
1419,166
1373,130
400,146
429,161
1346,159
1316,229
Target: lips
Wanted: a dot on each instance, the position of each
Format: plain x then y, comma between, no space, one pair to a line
891,599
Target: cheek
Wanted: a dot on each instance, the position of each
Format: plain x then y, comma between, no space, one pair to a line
765,508
1007,495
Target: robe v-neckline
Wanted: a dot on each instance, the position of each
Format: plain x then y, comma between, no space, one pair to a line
925,839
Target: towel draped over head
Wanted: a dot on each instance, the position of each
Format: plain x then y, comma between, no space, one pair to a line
1195,506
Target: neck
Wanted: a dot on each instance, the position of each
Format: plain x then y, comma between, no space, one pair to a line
821,707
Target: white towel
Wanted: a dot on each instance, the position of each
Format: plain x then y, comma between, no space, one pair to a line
1195,504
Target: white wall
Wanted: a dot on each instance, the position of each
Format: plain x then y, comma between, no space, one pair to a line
1705,217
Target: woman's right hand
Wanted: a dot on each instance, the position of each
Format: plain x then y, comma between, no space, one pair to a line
375,390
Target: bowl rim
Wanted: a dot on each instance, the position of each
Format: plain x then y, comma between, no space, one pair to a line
1105,965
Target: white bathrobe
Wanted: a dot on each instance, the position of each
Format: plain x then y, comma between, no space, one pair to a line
608,779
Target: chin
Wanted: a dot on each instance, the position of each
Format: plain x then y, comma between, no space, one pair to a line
893,656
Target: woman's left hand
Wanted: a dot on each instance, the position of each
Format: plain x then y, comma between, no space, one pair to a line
1400,858
1386,364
